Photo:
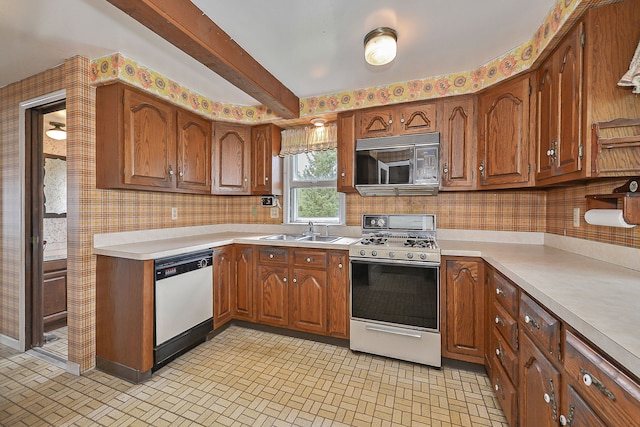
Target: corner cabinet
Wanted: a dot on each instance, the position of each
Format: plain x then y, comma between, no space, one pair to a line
144,143
504,135
463,302
458,143
232,159
266,163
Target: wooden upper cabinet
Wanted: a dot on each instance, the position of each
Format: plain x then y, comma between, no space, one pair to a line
266,169
401,119
458,143
232,155
144,143
417,117
346,152
375,122
559,118
504,135
194,153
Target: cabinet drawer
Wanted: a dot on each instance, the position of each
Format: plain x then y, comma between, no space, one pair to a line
273,254
310,258
542,326
601,384
504,355
506,293
505,391
506,324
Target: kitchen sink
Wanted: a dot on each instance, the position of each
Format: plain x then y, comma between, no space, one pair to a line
301,238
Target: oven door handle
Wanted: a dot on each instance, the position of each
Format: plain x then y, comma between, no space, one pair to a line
388,331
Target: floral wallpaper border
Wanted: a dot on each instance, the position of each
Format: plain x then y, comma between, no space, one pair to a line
118,67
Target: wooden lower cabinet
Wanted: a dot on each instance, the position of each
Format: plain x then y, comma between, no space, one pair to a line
540,387
54,294
506,392
577,412
463,296
338,287
308,300
242,286
272,296
223,278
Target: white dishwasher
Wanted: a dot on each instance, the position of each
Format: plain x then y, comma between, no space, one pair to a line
183,304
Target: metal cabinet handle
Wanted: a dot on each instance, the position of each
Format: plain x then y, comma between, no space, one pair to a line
446,169
530,321
588,379
390,119
499,291
500,352
552,398
500,321
481,168
170,173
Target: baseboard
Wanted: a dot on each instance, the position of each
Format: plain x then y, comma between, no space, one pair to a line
10,342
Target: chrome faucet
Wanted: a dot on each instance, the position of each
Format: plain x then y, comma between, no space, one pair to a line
311,233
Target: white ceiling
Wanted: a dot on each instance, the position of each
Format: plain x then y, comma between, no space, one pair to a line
313,47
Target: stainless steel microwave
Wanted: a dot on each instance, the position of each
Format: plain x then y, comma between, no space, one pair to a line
398,165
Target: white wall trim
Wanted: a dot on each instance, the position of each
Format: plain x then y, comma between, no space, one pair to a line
58,95
10,342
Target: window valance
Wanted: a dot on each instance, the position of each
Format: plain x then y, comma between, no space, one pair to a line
309,138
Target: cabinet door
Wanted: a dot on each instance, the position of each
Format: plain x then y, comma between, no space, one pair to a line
503,130
576,412
414,118
265,170
338,287
539,392
570,103
375,122
231,159
458,144
547,118
242,295
54,298
149,141
308,303
346,152
194,153
222,280
464,310
272,295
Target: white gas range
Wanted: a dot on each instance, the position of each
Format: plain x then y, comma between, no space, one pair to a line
395,288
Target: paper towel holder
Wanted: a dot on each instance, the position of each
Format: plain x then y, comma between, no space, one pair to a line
627,195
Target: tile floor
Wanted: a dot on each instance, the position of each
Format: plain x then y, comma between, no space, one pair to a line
59,346
244,377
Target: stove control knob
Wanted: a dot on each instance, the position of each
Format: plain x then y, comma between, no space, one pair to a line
423,256
392,254
362,252
374,253
410,255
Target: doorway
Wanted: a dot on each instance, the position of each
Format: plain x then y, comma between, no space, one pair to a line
46,230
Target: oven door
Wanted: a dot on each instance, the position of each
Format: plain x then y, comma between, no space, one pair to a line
396,293
395,310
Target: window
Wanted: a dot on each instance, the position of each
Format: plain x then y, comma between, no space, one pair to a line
310,188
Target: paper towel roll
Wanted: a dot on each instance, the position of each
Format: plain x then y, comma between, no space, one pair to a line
608,217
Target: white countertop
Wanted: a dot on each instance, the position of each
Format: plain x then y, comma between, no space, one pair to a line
599,299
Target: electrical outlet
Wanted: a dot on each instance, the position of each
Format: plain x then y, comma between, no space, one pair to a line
174,214
576,217
274,212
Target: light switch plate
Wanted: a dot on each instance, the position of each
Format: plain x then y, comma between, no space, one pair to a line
274,212
174,214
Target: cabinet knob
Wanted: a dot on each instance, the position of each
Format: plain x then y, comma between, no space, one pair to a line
497,352
528,320
310,259
547,398
284,280
343,174
266,178
499,320
390,120
587,380
481,168
271,256
295,280
402,118
446,169
170,173
340,266
499,291
563,420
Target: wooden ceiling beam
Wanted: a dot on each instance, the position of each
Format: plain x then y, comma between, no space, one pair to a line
185,26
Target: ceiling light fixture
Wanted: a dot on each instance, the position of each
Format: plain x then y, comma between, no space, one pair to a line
318,122
57,132
380,46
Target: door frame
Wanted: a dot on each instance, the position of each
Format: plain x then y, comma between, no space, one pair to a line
30,259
